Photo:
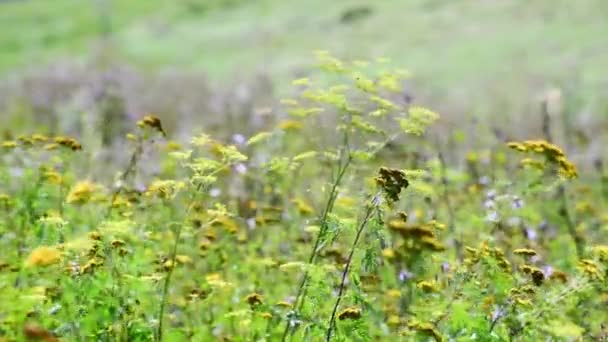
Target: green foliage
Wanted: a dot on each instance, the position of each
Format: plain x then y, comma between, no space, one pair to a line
262,239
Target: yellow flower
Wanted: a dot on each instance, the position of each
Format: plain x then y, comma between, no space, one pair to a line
165,189
9,144
68,142
40,138
53,177
350,313
388,253
393,293
552,153
173,146
254,299
393,320
44,256
183,259
82,192
50,147
303,207
427,286
525,252
287,125
152,122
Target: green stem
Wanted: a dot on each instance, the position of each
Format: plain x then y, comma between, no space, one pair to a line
332,320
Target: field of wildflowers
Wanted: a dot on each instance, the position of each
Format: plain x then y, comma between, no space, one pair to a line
347,216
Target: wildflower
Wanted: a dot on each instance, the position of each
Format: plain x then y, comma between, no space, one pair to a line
25,141
50,146
53,177
532,163
432,244
239,139
39,138
68,142
90,266
289,125
527,252
165,189
117,243
559,276
183,259
266,315
254,299
426,329
427,286
173,146
590,269
388,253
350,313
196,294
284,304
552,153
601,251
9,144
152,122
391,181
82,192
393,320
536,273
44,256
4,198
523,301
227,223
303,207
393,293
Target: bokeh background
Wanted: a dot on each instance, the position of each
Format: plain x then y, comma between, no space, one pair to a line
91,68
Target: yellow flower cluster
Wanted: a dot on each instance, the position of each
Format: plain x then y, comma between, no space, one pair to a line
44,256
152,122
349,313
417,236
551,152
82,192
49,143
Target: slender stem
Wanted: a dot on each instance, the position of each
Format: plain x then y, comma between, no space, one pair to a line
353,248
333,194
123,177
579,243
172,258
163,302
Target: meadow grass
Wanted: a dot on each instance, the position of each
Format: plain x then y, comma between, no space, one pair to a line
344,221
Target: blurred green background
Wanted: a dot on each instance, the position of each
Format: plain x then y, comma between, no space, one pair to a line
483,58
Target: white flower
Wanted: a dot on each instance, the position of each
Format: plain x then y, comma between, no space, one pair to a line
492,216
241,168
239,139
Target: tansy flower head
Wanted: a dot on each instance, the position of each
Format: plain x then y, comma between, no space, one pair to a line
427,286
82,192
287,125
426,329
152,122
44,256
527,252
9,144
391,181
350,313
68,142
552,153
40,138
254,299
